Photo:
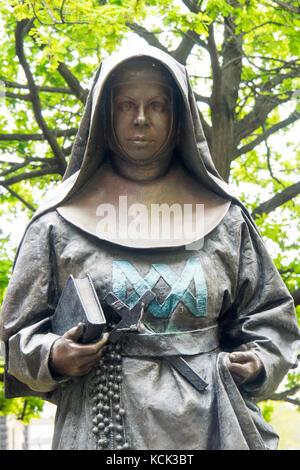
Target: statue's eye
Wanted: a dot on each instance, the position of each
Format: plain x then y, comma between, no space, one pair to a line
158,106
126,105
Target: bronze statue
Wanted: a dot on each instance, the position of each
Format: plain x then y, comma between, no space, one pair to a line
216,330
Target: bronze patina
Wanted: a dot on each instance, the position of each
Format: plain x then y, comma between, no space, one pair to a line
206,326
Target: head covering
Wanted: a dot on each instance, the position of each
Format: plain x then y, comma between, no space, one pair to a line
91,137
90,144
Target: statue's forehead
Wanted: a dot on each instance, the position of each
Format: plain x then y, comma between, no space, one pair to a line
142,71
142,87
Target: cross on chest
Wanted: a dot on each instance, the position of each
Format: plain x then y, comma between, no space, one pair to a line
130,317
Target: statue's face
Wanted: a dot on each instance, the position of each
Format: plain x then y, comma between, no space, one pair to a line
142,119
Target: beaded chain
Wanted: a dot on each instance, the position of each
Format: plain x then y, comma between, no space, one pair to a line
108,414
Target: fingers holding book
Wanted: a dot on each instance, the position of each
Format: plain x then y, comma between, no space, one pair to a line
71,358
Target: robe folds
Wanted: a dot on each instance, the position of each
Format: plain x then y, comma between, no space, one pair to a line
208,304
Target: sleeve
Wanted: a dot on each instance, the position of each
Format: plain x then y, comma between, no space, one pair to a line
25,316
261,317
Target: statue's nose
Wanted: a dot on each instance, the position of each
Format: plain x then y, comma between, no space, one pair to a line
141,118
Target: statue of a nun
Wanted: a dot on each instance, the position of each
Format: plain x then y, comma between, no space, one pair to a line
142,209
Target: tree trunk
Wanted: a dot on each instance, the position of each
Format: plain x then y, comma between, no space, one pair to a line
226,83
222,140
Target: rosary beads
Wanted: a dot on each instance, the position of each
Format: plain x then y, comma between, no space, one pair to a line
108,421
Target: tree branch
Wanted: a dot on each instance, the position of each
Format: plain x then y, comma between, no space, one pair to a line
73,82
204,99
293,401
29,137
287,6
54,21
265,101
14,167
30,174
278,78
285,64
264,135
183,50
285,395
47,89
23,411
232,63
21,30
149,36
280,198
194,37
191,6
17,196
268,153
180,54
261,26
19,96
216,69
263,105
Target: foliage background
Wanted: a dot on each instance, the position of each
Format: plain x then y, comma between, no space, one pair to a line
243,59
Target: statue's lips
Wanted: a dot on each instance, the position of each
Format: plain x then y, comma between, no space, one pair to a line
140,140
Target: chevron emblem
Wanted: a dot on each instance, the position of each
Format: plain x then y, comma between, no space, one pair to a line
124,273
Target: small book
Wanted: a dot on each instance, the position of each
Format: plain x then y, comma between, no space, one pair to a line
79,303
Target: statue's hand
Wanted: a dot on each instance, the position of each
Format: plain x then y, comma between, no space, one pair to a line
71,358
245,366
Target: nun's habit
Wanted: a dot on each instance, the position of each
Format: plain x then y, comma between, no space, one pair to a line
220,295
